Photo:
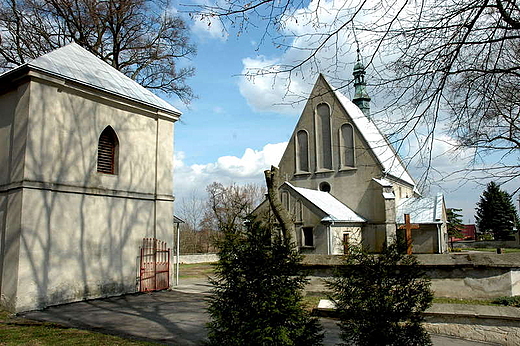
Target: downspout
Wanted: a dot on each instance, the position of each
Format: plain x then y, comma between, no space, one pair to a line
439,240
156,174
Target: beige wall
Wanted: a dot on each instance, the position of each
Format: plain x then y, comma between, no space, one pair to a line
78,231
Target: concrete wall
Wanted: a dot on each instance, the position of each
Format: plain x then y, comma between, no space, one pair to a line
69,232
454,276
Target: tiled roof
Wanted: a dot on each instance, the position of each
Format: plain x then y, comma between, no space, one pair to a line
422,209
73,62
328,204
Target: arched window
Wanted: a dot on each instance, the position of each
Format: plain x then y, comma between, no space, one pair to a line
323,136
285,200
346,138
302,151
108,146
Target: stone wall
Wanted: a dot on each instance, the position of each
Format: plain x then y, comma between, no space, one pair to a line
456,276
496,325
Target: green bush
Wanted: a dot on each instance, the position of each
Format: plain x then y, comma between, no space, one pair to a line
380,298
508,301
257,293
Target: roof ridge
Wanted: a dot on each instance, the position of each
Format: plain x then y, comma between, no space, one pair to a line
75,63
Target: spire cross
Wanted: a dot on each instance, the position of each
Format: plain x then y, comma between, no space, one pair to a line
408,232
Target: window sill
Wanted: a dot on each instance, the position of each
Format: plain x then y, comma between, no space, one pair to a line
347,169
307,247
320,171
302,174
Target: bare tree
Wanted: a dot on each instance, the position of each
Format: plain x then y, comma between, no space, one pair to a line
141,38
229,206
447,67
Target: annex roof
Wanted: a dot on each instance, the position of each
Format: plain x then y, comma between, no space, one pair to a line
422,210
75,63
328,204
382,149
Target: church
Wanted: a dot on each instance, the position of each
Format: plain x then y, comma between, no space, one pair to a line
86,164
343,182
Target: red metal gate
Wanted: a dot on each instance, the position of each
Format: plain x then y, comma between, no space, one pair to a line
155,266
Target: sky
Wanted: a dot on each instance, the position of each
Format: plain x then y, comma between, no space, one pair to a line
237,127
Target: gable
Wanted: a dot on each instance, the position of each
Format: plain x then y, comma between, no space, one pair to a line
348,141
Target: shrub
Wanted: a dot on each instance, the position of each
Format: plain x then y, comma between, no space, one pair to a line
380,298
508,301
257,297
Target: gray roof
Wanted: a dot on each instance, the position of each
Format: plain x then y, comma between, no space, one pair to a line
73,62
422,210
328,204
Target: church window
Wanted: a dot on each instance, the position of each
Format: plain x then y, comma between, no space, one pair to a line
324,140
346,242
285,199
299,211
347,145
308,236
302,151
325,187
108,146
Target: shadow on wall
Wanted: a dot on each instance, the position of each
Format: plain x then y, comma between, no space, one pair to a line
81,230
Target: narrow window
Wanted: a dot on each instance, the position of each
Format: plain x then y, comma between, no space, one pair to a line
107,151
285,200
347,145
324,138
302,151
346,242
299,211
308,236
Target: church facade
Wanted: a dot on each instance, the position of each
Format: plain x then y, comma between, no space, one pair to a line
86,165
345,184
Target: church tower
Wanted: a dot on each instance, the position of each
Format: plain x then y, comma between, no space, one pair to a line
361,98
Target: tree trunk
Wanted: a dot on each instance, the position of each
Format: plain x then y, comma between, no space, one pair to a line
281,214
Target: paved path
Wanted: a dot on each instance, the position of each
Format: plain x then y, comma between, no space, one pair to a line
175,317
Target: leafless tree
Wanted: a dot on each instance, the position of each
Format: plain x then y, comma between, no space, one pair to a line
229,206
447,67
144,39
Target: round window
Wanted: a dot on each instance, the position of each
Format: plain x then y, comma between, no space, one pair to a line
325,187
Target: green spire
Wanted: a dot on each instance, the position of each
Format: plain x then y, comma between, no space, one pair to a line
361,98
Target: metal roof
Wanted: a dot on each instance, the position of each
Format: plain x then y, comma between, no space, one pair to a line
73,62
328,204
380,146
422,210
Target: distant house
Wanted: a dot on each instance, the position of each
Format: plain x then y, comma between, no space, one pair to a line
469,232
345,183
86,160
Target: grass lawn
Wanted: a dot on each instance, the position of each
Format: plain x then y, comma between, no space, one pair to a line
486,249
18,331
196,270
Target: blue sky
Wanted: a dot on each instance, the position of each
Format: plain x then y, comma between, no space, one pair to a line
236,127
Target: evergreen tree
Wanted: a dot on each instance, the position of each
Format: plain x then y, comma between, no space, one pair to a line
454,224
380,298
496,213
257,297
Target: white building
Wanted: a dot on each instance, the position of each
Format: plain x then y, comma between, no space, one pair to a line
86,162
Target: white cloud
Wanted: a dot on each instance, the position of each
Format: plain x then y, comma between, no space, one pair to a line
227,169
207,27
278,92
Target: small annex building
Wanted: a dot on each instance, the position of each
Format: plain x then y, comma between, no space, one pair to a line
343,182
86,162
